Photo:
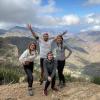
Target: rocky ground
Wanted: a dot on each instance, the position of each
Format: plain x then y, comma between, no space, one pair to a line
72,91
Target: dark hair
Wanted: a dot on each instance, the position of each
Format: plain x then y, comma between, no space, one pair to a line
50,52
30,45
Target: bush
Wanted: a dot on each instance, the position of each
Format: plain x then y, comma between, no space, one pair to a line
69,78
10,74
96,80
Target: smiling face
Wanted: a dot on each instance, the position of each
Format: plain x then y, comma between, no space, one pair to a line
50,56
32,47
45,37
59,39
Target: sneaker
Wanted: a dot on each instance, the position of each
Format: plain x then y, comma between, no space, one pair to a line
45,92
30,91
54,89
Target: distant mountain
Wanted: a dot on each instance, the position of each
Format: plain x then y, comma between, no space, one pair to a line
93,36
18,31
20,42
24,31
2,31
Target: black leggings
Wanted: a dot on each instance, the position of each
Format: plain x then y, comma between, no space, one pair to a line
52,83
29,70
60,68
42,69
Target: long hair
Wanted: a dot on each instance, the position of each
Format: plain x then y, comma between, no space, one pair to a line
61,42
30,45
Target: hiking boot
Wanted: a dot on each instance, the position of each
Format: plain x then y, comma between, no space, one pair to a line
55,89
45,92
62,84
30,91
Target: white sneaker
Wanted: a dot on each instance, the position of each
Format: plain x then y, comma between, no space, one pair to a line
30,91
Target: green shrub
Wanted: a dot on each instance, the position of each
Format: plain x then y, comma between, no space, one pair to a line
69,78
10,73
96,80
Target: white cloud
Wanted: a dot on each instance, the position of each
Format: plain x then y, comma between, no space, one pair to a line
37,2
92,18
58,21
92,2
48,20
2,25
96,28
26,11
70,20
92,28
32,11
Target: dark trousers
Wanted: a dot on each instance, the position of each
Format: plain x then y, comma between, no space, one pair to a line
60,68
52,83
42,69
29,70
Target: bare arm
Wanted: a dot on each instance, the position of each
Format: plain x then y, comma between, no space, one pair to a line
33,33
54,38
70,52
65,32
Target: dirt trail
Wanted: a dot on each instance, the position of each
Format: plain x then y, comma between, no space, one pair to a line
72,91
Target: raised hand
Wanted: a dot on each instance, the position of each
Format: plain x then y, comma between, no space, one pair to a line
32,31
65,32
29,26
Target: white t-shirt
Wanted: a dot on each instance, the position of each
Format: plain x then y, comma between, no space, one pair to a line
45,47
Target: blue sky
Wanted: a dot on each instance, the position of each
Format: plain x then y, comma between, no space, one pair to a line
74,15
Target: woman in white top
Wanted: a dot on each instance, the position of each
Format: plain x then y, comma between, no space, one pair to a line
59,54
27,59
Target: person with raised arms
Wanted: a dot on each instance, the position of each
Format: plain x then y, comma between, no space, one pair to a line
59,54
45,46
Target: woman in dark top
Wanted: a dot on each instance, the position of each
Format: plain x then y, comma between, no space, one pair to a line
50,66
